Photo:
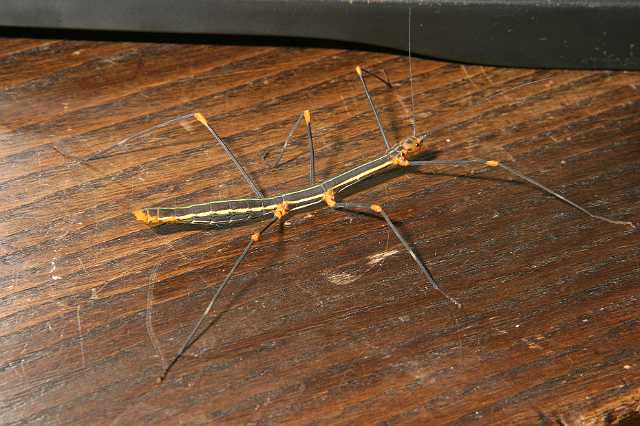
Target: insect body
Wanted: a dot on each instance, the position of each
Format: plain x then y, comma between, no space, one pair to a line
233,211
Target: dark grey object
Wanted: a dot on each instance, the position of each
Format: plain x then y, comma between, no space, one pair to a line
528,33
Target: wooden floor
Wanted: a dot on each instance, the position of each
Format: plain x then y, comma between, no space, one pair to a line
328,321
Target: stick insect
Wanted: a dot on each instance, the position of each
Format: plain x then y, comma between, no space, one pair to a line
325,193
273,209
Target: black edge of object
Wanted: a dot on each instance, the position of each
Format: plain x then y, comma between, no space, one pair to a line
587,34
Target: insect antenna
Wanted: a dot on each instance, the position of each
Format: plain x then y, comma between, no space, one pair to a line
413,107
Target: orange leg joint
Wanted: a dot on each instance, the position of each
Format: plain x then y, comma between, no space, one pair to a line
329,198
281,210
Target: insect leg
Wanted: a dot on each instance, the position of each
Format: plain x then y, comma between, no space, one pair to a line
312,155
104,152
287,140
384,79
312,158
200,118
377,209
193,335
494,163
361,74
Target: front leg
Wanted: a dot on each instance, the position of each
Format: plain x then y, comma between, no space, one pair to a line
495,163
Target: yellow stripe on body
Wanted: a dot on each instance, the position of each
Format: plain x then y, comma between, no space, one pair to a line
226,212
363,174
144,216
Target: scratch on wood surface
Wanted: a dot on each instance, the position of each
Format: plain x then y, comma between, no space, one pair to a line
345,105
342,278
53,269
530,344
84,269
485,75
516,87
84,361
468,77
374,259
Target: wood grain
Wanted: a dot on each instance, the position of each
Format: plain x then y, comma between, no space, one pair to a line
328,321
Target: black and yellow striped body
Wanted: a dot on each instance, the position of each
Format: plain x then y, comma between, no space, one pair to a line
234,211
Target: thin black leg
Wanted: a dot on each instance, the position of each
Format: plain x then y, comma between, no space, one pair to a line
312,155
494,163
233,158
288,139
361,73
312,158
193,336
377,209
102,153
